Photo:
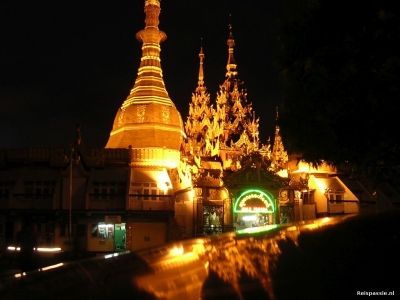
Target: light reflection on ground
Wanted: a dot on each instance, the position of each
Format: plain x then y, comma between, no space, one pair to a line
249,253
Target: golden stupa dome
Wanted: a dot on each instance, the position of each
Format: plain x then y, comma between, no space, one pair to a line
147,125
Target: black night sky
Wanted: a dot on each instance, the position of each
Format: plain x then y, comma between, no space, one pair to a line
69,62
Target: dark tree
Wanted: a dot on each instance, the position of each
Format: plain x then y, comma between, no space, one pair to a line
340,68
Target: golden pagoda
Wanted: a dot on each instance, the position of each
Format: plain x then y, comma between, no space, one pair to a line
150,127
148,121
202,126
279,156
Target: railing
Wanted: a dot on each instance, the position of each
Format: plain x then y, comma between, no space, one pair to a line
106,201
150,202
343,206
32,201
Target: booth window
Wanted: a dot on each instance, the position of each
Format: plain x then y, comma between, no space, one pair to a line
103,230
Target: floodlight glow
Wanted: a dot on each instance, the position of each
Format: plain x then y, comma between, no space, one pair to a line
176,251
257,229
249,218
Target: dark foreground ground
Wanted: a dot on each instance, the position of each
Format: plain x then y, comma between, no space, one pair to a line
10,265
339,258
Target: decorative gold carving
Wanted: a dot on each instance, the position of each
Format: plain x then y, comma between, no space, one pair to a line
283,196
121,117
214,194
141,111
165,114
152,2
180,121
198,191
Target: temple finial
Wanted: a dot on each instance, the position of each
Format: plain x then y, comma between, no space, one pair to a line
201,71
231,65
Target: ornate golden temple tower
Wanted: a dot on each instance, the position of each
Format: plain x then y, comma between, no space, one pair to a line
202,126
148,121
279,156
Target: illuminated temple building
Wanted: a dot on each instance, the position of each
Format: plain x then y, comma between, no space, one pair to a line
160,179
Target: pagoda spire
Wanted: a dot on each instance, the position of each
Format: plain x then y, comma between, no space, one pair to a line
200,126
277,134
279,156
148,122
149,86
200,87
231,65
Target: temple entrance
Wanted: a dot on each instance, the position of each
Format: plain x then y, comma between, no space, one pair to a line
243,221
210,218
213,218
254,208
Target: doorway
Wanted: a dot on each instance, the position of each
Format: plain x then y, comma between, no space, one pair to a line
120,237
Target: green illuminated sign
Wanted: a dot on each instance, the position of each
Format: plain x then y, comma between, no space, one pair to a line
254,201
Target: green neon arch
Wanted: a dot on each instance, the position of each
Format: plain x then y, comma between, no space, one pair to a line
266,200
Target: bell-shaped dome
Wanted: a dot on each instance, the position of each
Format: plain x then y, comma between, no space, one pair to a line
146,125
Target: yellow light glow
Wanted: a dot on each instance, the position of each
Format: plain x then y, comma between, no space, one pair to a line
142,87
40,249
311,226
191,194
153,126
176,251
147,100
150,69
52,267
151,46
257,229
153,57
292,228
20,275
325,220
49,249
111,255
321,185
163,181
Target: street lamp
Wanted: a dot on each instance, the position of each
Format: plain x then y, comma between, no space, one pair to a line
74,158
